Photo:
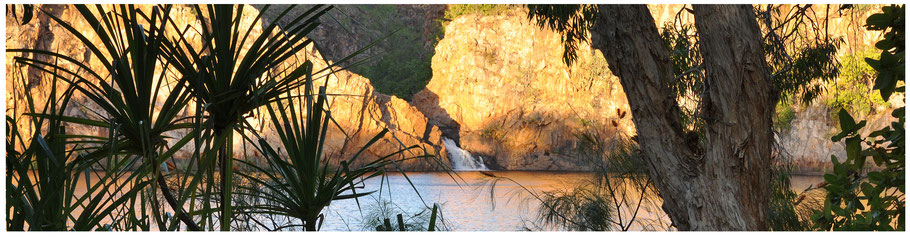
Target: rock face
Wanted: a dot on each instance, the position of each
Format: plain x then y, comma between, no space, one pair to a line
500,82
45,34
498,88
808,140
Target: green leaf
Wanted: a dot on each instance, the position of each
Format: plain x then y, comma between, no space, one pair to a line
885,83
853,148
873,63
885,44
847,124
878,21
846,121
832,179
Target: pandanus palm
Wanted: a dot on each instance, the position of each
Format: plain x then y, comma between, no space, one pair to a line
128,94
43,174
300,183
234,73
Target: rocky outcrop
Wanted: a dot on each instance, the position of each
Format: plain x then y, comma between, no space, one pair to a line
427,102
808,140
363,114
501,80
498,87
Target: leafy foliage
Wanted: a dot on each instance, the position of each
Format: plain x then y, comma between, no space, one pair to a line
798,50
873,200
784,115
870,201
890,65
400,72
128,99
853,86
684,53
455,10
797,78
398,60
585,208
688,85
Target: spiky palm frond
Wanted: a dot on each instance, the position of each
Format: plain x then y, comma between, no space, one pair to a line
300,182
43,176
234,73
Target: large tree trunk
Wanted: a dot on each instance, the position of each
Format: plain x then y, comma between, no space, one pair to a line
722,184
740,107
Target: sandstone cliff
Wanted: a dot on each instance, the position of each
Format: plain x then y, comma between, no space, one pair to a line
502,79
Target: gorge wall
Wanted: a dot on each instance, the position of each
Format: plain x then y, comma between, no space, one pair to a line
503,80
499,88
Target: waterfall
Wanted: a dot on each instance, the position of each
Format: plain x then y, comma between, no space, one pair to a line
461,159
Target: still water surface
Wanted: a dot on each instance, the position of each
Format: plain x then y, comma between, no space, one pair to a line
465,200
466,203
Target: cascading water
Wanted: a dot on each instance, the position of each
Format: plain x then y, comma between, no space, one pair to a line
461,159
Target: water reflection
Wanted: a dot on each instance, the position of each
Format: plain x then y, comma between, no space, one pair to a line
465,200
466,203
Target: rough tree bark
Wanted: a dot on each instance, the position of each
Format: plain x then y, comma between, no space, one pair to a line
722,184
